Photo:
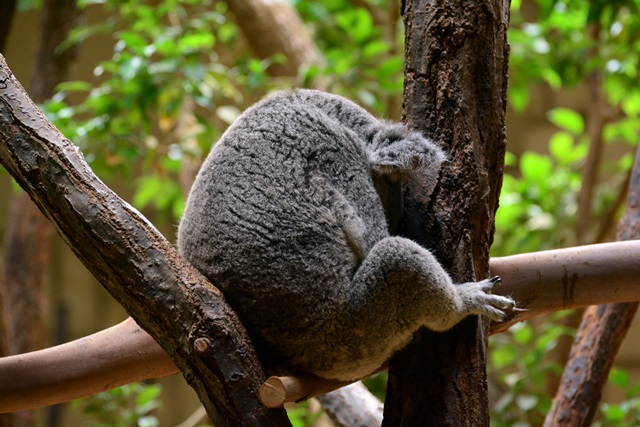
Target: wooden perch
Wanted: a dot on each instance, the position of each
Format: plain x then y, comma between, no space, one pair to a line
277,391
547,281
110,358
165,294
593,274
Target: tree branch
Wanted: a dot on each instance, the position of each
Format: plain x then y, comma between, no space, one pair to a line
353,405
541,282
598,339
167,296
110,358
560,279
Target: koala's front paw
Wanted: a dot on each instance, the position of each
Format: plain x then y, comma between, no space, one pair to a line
477,299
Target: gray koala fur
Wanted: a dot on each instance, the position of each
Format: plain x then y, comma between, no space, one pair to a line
284,217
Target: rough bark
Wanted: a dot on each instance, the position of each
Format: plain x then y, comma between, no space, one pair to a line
598,339
166,296
455,90
274,27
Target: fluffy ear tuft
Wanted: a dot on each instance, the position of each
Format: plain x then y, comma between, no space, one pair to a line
395,150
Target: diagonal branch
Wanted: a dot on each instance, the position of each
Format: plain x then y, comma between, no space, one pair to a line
164,294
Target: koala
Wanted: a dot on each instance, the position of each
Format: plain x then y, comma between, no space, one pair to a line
285,218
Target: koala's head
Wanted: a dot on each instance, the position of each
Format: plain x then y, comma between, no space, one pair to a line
397,151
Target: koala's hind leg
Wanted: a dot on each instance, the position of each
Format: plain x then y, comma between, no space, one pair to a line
400,287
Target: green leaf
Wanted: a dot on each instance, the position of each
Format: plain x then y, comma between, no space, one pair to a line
74,86
196,42
619,377
375,48
519,97
148,188
523,333
149,393
613,412
357,23
631,104
535,167
560,146
510,159
567,119
503,356
552,78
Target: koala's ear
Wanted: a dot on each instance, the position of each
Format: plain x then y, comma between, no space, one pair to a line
395,150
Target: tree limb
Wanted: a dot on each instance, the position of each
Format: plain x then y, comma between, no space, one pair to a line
560,279
353,405
598,338
536,280
167,296
110,358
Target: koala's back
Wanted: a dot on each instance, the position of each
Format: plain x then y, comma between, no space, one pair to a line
281,215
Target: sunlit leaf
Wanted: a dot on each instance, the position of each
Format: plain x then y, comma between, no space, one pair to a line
566,119
535,167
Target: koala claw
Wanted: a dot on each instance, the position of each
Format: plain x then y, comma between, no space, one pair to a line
480,301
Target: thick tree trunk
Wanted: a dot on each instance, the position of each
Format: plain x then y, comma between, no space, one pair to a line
455,91
167,296
598,339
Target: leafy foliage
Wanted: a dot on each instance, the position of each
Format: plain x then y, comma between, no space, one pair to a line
127,406
538,207
520,361
564,45
627,412
156,103
362,57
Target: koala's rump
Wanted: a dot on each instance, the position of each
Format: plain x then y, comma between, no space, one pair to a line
277,218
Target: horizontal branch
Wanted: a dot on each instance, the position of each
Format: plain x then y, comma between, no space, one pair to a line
548,281
540,282
110,358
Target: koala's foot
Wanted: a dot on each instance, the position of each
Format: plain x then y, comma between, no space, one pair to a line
477,299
